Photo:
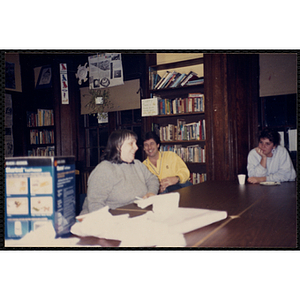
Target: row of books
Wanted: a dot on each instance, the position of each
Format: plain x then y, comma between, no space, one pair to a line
193,103
173,80
43,117
42,151
41,136
198,178
194,153
183,131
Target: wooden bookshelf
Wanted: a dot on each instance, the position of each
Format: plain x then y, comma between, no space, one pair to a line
186,144
231,90
41,132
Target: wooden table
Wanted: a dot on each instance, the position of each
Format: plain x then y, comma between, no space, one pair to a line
258,216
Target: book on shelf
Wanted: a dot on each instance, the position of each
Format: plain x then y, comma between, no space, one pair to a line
42,151
154,78
43,117
200,130
41,136
161,80
183,131
196,153
190,131
165,107
172,80
198,178
178,80
168,107
167,133
197,100
195,82
193,103
155,128
166,80
180,129
191,76
192,154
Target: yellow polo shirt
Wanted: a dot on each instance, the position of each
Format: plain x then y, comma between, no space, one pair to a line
168,164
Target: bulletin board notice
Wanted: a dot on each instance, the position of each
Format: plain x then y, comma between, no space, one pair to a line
150,107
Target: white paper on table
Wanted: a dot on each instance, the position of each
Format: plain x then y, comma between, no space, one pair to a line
43,236
161,203
132,232
185,219
100,223
143,232
58,242
162,227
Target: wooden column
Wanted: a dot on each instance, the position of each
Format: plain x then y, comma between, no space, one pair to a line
231,91
65,117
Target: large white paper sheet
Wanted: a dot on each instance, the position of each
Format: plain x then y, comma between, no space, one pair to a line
184,219
162,227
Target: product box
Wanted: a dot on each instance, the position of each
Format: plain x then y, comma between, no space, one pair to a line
37,190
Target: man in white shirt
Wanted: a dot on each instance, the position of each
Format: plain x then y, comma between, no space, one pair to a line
270,161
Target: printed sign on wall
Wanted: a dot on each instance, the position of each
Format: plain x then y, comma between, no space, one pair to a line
64,84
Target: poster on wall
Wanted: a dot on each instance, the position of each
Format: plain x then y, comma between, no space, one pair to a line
13,72
45,78
105,70
10,75
9,142
64,83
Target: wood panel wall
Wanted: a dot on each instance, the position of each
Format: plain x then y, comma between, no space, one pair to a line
231,90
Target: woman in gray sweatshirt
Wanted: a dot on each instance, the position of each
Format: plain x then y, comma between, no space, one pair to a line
119,178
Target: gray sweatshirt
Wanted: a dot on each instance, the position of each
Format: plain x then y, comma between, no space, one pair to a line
116,185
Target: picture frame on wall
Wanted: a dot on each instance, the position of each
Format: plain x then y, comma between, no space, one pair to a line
45,78
10,82
12,72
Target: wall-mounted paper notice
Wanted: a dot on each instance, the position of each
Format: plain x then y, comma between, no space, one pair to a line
150,107
292,139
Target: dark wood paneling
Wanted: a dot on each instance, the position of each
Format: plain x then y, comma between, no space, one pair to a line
216,115
231,91
20,133
243,96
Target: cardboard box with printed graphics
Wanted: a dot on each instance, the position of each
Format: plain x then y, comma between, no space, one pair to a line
38,190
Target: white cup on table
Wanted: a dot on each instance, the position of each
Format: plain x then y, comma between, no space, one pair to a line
241,178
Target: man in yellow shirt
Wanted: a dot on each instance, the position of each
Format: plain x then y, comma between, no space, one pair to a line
170,169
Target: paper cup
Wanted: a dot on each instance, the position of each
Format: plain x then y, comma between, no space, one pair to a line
242,178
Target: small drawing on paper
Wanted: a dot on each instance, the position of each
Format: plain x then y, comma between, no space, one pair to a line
16,186
17,206
41,185
41,206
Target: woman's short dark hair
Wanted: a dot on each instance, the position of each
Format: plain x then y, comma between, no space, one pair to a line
152,135
115,141
270,134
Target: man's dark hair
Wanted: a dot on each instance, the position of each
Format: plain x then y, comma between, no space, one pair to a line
152,135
